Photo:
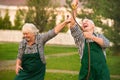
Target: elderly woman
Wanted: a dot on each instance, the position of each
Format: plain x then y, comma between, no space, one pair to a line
30,63
91,47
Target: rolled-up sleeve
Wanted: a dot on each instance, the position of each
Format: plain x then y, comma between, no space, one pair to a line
75,31
105,41
77,34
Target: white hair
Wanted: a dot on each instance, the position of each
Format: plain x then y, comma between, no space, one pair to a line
29,27
91,21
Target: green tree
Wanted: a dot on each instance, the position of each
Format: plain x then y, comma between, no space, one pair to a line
37,13
6,21
19,18
51,22
1,21
65,29
107,9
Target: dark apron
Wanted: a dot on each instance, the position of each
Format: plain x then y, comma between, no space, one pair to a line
33,68
98,66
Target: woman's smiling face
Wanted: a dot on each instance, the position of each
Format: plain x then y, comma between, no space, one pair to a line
28,35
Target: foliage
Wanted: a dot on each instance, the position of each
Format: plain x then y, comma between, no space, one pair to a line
51,22
37,13
65,29
5,22
19,18
1,22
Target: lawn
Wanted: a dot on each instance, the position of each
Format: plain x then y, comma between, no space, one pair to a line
10,74
8,51
71,62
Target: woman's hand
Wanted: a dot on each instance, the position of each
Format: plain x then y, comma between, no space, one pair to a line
18,67
68,20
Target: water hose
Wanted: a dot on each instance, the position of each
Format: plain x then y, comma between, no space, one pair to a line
74,7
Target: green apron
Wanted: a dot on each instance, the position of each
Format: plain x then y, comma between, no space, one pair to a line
98,66
33,68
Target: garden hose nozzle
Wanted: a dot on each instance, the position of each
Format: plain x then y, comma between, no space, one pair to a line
74,6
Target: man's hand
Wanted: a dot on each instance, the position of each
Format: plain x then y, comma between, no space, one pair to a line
88,35
74,4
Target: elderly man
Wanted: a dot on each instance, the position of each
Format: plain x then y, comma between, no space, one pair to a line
30,63
93,65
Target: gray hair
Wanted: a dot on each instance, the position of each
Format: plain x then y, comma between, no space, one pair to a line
91,21
29,27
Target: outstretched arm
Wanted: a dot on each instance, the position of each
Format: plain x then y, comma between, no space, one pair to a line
60,26
74,6
52,33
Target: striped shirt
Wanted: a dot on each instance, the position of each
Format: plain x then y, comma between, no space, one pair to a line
79,39
38,46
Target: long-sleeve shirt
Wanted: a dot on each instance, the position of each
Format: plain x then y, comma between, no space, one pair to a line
79,39
40,40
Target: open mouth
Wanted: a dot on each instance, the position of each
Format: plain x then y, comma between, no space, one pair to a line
85,25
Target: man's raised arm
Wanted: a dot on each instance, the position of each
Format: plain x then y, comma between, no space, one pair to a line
74,6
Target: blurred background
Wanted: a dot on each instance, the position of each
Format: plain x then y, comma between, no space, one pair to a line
63,61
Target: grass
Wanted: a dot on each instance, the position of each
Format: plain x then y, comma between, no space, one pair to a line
56,49
8,51
60,76
7,75
114,64
10,75
71,62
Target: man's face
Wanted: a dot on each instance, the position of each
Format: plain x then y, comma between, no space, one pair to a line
87,25
28,35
